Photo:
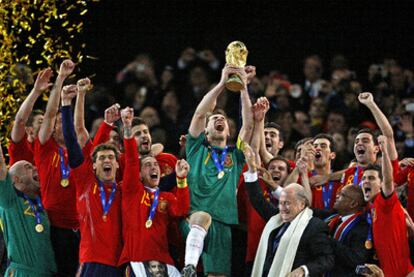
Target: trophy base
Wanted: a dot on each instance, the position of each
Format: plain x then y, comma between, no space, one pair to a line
234,83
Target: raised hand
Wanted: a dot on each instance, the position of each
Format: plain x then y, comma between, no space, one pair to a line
266,176
112,114
43,80
156,149
84,85
366,98
127,115
230,70
182,168
250,73
382,142
66,68
250,157
302,165
260,108
68,93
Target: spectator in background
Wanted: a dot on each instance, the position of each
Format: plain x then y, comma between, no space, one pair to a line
152,119
317,113
336,123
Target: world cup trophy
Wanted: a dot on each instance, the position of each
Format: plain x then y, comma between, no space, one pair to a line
236,55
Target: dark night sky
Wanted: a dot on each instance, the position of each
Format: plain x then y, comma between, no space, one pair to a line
278,34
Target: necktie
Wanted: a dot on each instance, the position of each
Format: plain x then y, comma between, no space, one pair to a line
279,235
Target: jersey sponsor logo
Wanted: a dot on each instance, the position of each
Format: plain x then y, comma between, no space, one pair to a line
162,206
228,162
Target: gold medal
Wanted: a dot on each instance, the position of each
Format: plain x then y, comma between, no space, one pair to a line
64,183
148,224
39,228
368,244
104,218
220,174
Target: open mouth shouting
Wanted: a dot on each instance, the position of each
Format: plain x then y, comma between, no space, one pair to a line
318,156
360,151
219,125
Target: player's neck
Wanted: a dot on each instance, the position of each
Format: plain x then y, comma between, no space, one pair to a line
218,143
323,170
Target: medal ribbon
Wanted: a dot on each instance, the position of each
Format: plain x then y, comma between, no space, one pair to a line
219,164
64,169
35,210
355,181
154,205
327,195
369,221
106,205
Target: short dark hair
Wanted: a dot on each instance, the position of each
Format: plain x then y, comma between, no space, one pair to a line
138,121
328,137
32,115
275,126
280,158
302,141
375,168
216,111
368,131
103,147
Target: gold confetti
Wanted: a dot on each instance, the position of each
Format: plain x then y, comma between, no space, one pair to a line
35,34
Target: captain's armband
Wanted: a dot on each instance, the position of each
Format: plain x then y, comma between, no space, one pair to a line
181,182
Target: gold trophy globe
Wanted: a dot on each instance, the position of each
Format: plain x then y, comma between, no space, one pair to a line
236,55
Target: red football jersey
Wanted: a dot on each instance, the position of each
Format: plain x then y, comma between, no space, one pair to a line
390,236
59,201
21,151
141,243
101,240
317,194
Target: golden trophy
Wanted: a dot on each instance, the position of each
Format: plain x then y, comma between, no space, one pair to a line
236,55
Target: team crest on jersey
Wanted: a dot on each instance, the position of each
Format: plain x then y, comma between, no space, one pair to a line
374,214
228,162
162,206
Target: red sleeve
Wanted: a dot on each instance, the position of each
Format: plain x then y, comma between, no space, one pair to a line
23,150
409,171
132,170
87,150
102,135
402,177
395,170
386,204
43,150
81,175
180,204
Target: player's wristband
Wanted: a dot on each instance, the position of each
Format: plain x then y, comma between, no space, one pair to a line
181,182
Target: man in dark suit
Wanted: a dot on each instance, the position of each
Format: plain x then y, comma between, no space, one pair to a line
312,252
349,231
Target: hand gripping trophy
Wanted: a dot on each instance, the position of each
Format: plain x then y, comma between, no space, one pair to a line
236,55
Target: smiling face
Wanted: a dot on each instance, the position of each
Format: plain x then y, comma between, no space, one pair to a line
364,149
150,172
217,128
106,165
323,155
289,204
371,184
279,171
143,138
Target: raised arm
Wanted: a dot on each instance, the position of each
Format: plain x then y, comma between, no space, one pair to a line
3,166
387,183
367,99
181,204
246,130
259,111
302,166
75,154
265,209
208,103
41,84
81,131
46,129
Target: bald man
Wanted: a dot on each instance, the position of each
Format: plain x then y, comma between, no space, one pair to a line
24,221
